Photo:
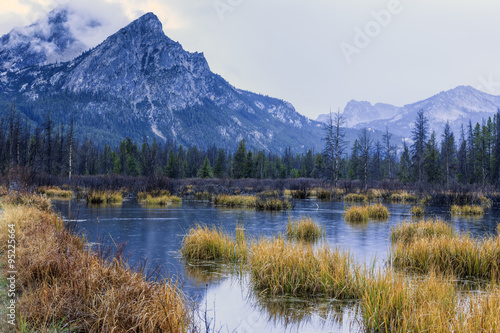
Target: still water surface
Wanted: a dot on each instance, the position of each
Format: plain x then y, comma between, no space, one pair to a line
225,298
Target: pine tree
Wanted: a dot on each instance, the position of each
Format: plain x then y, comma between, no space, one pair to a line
334,144
419,137
432,166
205,170
365,143
448,154
220,164
240,161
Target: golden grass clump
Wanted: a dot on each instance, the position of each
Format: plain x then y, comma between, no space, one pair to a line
281,268
460,255
402,197
409,232
55,192
417,211
391,303
235,200
60,282
364,213
157,198
204,243
467,210
304,229
273,204
355,197
97,197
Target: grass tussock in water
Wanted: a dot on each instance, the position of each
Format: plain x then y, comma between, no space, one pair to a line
355,197
281,268
304,229
55,192
97,197
61,283
467,210
157,198
409,232
434,247
417,211
391,303
402,197
235,200
204,243
364,213
250,201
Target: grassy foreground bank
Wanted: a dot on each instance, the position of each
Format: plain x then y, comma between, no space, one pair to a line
61,286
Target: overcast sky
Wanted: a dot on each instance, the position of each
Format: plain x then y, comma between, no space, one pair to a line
318,54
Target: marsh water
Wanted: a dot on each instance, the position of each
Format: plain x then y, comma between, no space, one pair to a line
223,293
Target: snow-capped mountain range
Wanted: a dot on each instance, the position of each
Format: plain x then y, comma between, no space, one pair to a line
457,106
139,83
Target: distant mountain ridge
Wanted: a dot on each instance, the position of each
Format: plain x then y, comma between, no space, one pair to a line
139,83
456,106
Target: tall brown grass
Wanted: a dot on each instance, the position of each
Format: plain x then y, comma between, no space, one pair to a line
157,198
59,281
402,197
408,232
355,197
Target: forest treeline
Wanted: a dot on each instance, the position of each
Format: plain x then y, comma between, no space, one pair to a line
429,158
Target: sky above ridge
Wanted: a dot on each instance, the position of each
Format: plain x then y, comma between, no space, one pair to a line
316,54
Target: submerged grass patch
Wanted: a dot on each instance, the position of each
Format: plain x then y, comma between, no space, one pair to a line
97,197
204,243
281,268
467,210
364,213
61,284
304,229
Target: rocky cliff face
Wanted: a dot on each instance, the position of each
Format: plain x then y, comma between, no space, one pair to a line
140,83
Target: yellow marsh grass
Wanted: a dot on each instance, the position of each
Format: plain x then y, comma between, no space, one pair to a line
204,243
281,268
403,197
355,197
55,192
97,197
364,213
161,201
251,201
409,232
467,210
417,211
460,255
60,282
304,229
235,200
391,303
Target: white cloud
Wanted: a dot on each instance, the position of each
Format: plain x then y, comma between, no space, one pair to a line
290,48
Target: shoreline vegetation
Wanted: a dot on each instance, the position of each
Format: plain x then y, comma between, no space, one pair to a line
64,285
61,285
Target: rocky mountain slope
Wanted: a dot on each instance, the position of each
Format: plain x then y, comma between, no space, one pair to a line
139,83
